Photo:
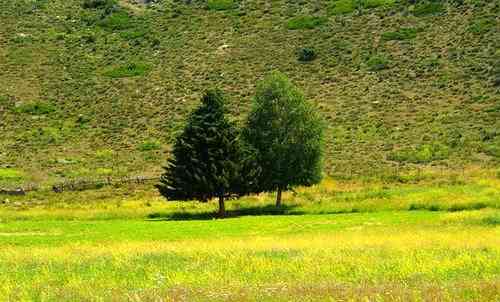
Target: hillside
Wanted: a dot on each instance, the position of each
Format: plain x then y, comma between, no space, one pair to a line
96,88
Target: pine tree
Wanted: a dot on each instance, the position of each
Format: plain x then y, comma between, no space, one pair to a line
287,134
207,158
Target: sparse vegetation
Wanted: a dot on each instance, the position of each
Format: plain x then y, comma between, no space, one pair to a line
83,66
401,34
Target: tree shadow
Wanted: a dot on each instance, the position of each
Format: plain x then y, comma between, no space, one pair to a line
266,210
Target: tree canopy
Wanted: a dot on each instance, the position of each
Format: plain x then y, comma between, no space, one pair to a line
207,158
287,133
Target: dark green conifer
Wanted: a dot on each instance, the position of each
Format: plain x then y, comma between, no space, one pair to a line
207,159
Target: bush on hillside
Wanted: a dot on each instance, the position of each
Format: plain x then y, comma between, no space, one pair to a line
376,3
377,63
428,8
341,7
36,108
129,70
306,54
93,4
221,4
118,20
483,25
305,22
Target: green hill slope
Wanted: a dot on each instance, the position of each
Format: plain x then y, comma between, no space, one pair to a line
96,88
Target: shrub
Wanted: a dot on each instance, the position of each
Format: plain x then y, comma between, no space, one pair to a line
428,8
401,34
133,34
150,145
341,7
376,3
483,25
36,108
377,63
306,54
305,22
117,21
129,70
221,4
93,4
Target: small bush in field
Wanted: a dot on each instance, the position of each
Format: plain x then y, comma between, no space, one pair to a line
306,54
93,4
377,63
36,108
221,4
483,25
428,8
401,34
119,20
305,22
342,7
129,70
376,3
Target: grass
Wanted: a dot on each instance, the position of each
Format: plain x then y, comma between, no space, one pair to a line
80,61
401,34
348,240
9,174
221,4
274,258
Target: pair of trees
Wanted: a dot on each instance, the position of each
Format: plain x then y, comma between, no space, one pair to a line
280,147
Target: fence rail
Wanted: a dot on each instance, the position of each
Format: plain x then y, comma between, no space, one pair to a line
79,185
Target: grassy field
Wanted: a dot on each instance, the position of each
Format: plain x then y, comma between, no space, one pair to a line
342,241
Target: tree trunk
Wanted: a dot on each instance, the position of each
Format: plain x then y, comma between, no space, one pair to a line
222,207
278,198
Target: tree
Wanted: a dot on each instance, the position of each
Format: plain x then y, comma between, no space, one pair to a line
207,158
287,134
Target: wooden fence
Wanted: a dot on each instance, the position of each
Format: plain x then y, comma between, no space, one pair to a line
80,185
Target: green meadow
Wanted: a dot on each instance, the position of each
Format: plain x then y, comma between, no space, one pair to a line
337,241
